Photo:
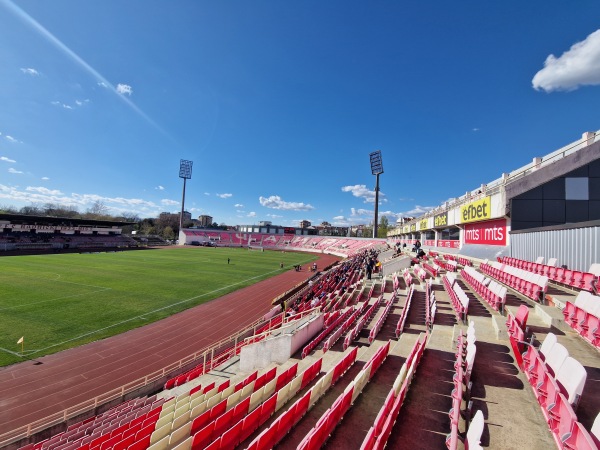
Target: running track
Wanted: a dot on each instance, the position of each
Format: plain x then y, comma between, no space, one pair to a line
31,392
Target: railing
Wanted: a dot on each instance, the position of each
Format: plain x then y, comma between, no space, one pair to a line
497,185
207,354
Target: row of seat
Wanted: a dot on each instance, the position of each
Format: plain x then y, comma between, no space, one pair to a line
408,280
577,279
557,381
430,305
583,316
308,348
404,315
124,421
419,272
458,297
530,285
379,432
361,322
379,324
337,334
270,436
432,269
463,366
489,290
317,436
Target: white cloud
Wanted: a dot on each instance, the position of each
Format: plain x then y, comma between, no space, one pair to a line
67,106
160,188
124,89
224,195
30,71
166,201
251,214
475,129
102,84
361,191
274,216
43,190
275,202
8,160
11,170
578,66
12,139
207,193
45,178
238,205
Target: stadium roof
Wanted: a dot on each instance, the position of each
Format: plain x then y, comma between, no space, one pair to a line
50,220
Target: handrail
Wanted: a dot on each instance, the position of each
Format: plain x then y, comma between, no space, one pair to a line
75,410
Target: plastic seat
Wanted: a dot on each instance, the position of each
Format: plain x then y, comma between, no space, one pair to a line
572,377
473,437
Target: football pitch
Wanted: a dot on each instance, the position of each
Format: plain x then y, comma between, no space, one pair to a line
61,301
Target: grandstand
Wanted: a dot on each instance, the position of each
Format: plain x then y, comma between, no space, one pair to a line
41,234
490,340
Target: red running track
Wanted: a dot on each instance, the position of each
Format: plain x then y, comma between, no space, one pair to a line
30,392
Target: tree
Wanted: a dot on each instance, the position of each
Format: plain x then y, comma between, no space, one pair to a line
384,225
98,209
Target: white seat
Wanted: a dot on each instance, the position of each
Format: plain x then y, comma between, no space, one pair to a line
540,260
572,376
551,262
556,357
548,343
595,430
473,438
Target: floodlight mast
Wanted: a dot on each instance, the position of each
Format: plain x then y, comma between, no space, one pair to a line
185,172
376,169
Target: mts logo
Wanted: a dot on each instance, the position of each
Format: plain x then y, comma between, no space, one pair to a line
476,211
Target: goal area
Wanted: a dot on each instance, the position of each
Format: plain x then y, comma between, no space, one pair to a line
256,248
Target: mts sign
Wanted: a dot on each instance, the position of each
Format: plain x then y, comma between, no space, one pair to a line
493,232
479,210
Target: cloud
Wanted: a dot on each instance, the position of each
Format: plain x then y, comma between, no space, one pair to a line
102,84
8,160
167,202
475,129
251,214
43,190
12,139
578,66
207,193
275,202
224,195
124,89
238,205
30,71
361,191
160,188
40,195
45,178
11,170
274,216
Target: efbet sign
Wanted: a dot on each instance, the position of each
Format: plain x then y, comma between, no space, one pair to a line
423,224
479,210
441,220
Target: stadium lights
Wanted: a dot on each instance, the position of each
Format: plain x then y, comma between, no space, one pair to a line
376,169
185,172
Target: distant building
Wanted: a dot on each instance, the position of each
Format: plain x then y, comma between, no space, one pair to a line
304,224
205,221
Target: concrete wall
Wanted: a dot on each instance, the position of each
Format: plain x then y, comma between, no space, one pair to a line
278,349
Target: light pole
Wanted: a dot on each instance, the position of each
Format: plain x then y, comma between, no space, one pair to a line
185,172
376,169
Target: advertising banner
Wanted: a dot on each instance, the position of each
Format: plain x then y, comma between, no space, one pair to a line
492,232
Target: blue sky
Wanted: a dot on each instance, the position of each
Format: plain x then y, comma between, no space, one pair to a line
278,104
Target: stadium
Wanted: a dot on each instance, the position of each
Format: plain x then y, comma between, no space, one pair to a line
488,338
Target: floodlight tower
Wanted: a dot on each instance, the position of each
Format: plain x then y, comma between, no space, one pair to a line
376,169
185,172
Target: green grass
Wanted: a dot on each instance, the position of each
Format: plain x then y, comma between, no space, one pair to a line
62,301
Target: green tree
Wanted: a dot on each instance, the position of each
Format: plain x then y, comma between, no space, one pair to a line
384,225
